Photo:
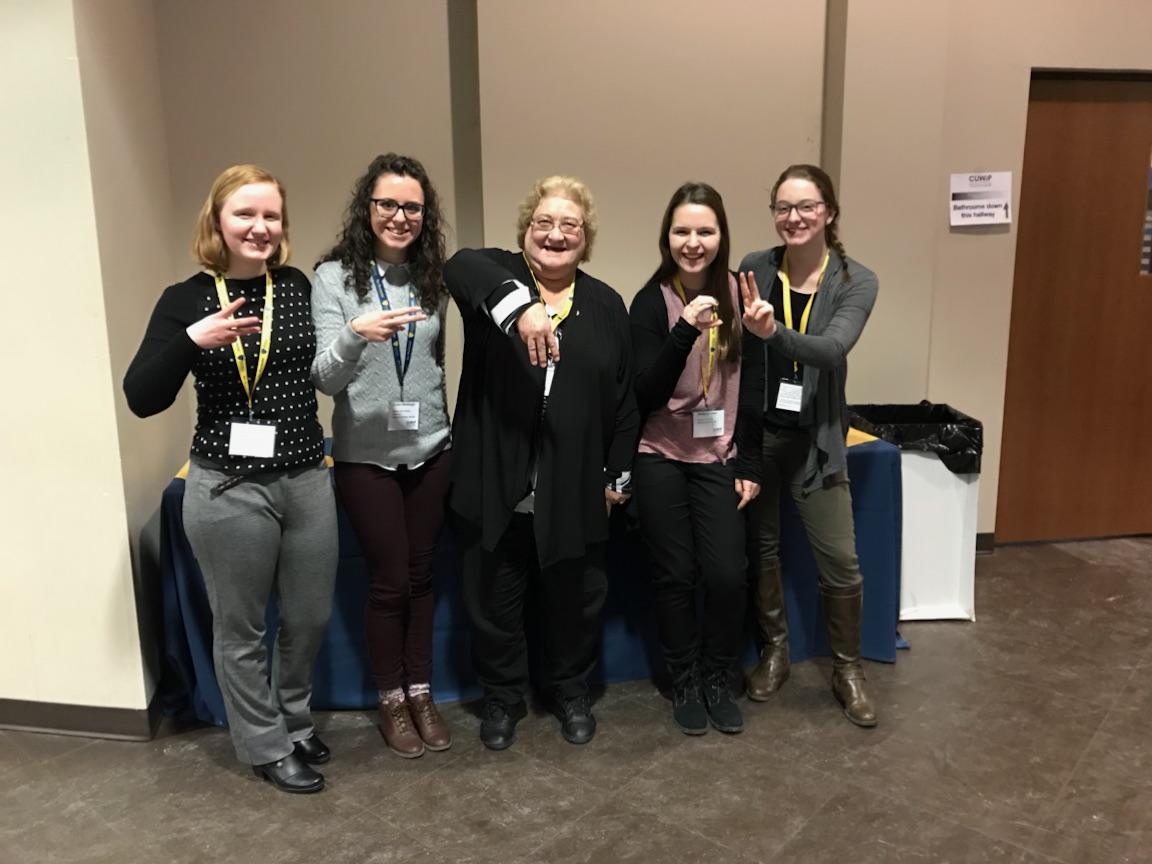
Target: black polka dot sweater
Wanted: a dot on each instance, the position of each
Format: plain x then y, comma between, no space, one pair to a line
284,394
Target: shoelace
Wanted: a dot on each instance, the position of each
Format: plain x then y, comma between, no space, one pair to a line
579,705
400,716
494,710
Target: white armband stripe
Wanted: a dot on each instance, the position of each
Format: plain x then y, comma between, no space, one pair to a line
521,296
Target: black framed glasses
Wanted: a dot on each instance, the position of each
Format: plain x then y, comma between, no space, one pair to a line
387,207
805,208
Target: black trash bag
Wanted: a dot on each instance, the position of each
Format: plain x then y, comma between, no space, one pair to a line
952,435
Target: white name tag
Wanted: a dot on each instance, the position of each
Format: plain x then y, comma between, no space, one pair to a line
403,416
788,399
252,439
708,424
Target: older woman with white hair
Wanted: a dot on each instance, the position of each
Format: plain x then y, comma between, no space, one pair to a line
544,433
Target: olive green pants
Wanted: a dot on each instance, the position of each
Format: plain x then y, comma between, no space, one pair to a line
826,512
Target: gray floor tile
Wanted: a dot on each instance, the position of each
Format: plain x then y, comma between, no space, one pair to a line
1021,737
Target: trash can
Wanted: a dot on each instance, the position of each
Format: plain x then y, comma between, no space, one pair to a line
940,468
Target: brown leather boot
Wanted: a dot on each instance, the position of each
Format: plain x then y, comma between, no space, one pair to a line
772,670
429,723
842,617
399,731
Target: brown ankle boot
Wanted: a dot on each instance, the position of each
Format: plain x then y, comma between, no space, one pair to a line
399,731
772,670
842,617
429,723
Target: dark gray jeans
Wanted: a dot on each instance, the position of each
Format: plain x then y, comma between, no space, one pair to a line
270,534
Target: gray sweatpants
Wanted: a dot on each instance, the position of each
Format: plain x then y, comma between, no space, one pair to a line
270,534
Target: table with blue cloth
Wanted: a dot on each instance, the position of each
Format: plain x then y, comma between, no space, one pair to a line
630,647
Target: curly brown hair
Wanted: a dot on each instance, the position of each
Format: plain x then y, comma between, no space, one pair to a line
356,246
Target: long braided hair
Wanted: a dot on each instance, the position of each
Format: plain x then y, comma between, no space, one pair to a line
355,248
820,179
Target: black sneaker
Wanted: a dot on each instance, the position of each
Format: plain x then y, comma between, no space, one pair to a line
723,712
688,703
577,724
498,723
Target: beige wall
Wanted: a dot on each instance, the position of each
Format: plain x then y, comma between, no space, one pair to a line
68,625
935,88
128,156
635,98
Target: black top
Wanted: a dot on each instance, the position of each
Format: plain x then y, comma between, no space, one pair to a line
284,395
586,437
660,355
780,367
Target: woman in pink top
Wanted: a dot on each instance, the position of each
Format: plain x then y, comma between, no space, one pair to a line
695,471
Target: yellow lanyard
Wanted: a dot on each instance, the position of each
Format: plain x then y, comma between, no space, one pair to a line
709,363
265,336
787,283
558,316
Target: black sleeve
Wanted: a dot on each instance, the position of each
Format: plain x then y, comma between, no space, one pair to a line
626,432
660,353
482,281
165,357
749,432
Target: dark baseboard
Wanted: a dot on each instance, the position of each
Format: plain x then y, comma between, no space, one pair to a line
124,724
985,543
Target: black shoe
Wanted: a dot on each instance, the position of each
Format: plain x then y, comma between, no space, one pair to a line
290,774
498,723
312,750
577,724
688,703
723,712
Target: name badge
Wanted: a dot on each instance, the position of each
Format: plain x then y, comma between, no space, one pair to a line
403,416
788,398
252,439
708,424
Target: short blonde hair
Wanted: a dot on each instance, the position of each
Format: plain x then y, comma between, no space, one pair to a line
208,246
560,186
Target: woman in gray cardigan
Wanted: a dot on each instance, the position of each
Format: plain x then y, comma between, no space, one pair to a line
809,302
378,306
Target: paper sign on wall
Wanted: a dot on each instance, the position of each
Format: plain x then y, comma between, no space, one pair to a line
983,198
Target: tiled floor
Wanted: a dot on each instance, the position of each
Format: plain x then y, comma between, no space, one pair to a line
1021,738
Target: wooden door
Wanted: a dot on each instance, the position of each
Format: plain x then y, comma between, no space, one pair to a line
1076,459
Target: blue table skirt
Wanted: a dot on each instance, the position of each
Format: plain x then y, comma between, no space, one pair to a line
630,648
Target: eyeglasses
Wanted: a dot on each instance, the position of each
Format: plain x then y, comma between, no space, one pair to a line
568,227
805,208
387,207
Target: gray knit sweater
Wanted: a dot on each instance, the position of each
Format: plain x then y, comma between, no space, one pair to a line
839,312
361,378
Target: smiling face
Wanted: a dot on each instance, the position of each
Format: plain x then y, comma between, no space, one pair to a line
396,232
251,223
555,252
794,227
693,239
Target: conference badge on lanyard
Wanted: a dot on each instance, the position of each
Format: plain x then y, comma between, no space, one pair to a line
249,436
706,422
789,396
403,416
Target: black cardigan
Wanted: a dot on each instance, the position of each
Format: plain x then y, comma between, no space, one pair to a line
660,354
587,436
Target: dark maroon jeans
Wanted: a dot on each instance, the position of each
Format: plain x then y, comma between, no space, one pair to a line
398,620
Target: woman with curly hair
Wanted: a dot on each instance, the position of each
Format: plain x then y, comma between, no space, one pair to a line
378,307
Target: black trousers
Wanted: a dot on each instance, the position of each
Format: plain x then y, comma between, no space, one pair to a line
695,540
568,597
